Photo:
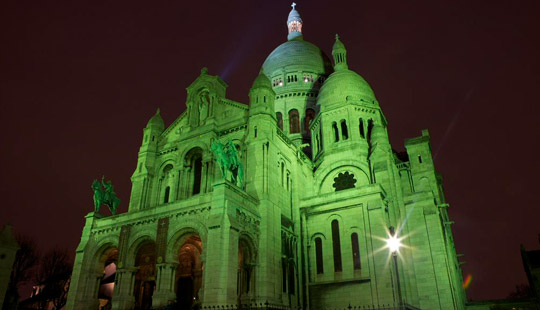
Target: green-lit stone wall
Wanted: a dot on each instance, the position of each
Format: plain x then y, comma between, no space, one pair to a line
191,234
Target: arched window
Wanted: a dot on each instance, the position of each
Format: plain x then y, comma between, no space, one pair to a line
318,255
344,131
310,115
369,129
279,118
194,161
167,193
361,127
165,182
336,246
336,132
294,122
355,251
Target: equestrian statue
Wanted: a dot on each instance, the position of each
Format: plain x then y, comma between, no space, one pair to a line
104,195
229,162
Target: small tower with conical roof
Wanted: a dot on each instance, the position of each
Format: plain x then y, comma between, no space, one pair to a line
261,96
294,24
261,129
340,55
141,178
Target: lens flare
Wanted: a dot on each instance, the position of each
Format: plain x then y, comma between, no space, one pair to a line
467,281
393,243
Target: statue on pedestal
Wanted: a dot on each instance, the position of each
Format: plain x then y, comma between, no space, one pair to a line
104,195
229,162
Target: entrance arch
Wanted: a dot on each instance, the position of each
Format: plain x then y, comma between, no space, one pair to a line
145,278
189,271
107,265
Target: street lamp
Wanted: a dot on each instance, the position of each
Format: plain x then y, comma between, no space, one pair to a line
394,243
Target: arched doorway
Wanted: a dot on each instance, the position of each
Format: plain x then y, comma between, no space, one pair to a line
107,264
145,279
189,272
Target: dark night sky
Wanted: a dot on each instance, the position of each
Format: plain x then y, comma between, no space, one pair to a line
80,79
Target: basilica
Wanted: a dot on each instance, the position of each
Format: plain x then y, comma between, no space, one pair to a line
294,199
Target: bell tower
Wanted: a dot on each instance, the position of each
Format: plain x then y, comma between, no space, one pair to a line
144,173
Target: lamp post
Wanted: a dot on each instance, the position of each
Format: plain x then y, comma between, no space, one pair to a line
393,243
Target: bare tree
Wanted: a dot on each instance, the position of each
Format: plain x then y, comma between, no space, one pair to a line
54,275
26,260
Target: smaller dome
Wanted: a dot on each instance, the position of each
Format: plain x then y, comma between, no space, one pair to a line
261,81
156,121
342,84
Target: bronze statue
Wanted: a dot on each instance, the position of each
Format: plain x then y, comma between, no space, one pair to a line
229,162
104,195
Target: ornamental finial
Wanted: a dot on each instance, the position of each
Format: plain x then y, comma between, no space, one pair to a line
337,36
293,6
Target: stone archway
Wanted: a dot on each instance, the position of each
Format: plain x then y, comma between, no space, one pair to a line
145,278
107,265
189,271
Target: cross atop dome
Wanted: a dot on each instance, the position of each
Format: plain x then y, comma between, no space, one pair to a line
294,23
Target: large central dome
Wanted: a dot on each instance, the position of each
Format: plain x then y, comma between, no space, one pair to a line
297,55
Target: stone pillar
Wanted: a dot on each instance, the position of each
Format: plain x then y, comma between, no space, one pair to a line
383,287
180,184
222,246
164,292
123,290
204,171
188,182
210,174
83,282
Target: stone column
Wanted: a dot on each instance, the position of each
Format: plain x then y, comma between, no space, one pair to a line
220,273
81,290
204,171
123,290
180,184
164,293
210,174
188,182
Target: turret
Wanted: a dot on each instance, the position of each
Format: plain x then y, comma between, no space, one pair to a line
421,163
261,96
153,129
340,55
294,24
146,163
